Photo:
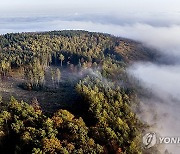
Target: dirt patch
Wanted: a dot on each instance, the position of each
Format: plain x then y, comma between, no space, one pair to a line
50,99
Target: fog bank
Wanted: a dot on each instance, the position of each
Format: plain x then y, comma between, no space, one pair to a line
162,109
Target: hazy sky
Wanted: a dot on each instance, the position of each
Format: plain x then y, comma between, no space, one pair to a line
40,15
93,15
50,6
115,8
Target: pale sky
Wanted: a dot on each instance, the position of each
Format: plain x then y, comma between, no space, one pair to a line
126,18
87,6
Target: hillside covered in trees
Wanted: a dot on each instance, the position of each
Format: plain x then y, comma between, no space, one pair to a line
69,92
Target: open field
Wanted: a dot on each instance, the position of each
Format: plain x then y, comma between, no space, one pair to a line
50,99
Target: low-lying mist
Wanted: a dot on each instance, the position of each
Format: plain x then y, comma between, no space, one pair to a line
161,110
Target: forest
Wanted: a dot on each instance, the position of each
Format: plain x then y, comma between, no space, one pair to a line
69,92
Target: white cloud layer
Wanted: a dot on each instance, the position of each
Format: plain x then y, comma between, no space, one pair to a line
162,111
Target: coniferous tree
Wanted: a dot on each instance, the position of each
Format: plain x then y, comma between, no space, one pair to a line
61,58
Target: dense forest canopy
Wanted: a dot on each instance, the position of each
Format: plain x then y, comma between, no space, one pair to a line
86,66
19,49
